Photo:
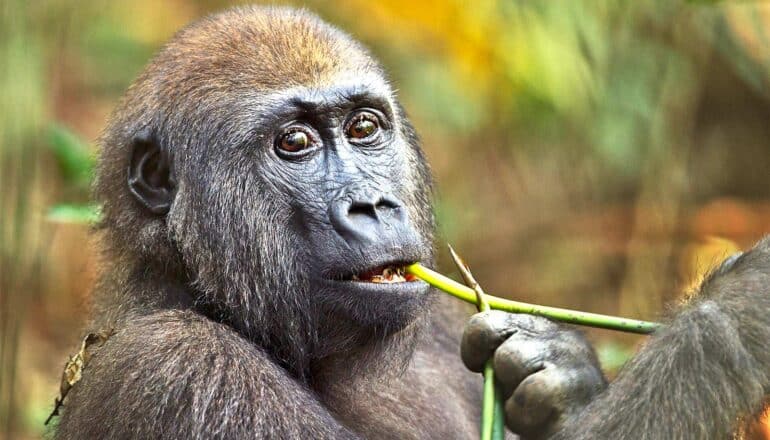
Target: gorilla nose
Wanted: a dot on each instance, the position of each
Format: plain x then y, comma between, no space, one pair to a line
368,218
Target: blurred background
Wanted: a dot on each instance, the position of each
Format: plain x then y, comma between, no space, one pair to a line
599,155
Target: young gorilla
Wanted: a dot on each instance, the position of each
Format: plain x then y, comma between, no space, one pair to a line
262,192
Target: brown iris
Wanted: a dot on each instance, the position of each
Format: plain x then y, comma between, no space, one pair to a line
365,125
294,141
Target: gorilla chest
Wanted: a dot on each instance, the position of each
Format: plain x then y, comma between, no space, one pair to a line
390,415
423,403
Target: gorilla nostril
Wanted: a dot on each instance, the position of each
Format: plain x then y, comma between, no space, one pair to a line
362,209
376,209
386,204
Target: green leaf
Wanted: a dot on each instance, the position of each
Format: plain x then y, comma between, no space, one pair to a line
612,356
74,214
73,155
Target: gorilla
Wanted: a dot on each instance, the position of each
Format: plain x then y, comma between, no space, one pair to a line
262,192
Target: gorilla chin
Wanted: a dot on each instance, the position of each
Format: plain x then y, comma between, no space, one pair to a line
383,308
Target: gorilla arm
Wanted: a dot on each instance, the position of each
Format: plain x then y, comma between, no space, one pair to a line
175,374
704,374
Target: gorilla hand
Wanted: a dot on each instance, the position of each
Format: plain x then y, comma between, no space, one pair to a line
546,372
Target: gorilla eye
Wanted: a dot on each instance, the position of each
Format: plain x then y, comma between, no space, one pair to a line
363,125
293,141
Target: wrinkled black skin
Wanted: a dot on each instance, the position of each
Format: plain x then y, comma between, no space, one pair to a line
225,260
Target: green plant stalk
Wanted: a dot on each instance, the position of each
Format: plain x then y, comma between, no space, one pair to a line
492,419
498,429
467,294
490,425
488,419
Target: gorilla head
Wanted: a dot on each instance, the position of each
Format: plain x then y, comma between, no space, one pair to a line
272,172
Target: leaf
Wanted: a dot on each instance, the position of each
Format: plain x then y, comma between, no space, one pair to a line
74,214
612,356
73,155
73,369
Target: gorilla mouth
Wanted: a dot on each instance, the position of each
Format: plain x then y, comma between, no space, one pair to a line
386,274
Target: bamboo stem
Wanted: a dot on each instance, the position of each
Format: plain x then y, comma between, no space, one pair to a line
467,294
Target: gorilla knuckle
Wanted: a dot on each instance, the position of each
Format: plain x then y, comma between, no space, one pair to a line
483,333
517,358
535,404
542,401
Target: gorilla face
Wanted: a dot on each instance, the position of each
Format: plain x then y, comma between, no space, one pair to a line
294,191
338,158
342,159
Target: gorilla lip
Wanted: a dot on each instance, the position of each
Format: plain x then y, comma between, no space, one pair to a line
386,274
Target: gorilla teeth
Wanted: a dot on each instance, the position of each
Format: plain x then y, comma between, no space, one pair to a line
388,275
391,275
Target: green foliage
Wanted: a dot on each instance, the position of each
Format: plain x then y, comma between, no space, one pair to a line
612,356
76,163
65,213
73,156
114,55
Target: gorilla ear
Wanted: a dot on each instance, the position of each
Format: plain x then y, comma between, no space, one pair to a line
149,174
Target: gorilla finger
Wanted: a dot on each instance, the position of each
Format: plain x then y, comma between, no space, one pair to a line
538,402
483,333
518,357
